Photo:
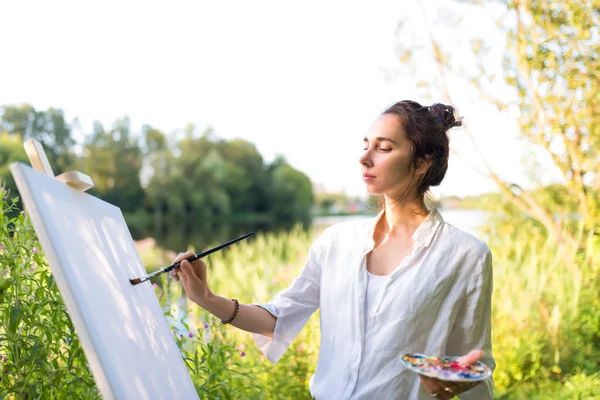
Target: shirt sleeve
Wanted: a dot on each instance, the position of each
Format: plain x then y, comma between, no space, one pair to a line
472,329
294,306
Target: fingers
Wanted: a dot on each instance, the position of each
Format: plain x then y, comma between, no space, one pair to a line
181,256
187,272
438,389
197,268
472,357
443,390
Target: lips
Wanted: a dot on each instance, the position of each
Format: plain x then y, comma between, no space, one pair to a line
367,177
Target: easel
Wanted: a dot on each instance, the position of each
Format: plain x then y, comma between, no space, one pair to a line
39,162
122,328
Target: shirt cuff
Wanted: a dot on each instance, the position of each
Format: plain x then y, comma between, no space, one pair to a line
272,348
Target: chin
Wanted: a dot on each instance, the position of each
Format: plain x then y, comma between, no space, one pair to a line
373,191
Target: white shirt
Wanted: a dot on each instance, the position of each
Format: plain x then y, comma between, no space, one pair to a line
436,302
375,293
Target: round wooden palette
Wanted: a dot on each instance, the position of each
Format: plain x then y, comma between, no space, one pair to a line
445,368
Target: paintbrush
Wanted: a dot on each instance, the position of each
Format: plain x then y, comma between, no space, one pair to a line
190,259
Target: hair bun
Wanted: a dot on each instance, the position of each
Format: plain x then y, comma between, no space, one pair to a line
445,116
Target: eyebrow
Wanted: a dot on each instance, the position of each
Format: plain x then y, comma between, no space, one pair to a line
381,139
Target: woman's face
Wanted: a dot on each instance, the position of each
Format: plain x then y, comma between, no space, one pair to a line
386,158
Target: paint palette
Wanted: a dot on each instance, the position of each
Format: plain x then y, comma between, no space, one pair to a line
445,368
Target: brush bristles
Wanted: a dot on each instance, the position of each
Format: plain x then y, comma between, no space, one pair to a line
135,281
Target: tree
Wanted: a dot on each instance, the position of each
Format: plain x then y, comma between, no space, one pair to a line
11,150
292,195
113,159
247,177
48,127
552,64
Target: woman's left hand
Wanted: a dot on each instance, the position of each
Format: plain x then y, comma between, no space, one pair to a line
445,390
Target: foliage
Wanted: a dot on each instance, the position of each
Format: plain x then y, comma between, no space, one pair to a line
548,289
546,317
546,80
48,127
577,387
166,185
41,354
11,150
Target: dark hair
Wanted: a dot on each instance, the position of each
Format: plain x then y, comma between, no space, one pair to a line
426,128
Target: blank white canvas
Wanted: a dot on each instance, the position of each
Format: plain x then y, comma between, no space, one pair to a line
123,331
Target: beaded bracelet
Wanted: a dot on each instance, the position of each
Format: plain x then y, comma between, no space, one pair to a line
237,308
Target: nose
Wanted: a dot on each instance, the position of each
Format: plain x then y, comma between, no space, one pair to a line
365,159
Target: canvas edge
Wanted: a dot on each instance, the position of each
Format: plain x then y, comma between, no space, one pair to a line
94,360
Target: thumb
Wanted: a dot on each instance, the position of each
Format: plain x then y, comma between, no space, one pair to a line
472,357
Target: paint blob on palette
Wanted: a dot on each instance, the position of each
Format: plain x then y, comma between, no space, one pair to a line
445,368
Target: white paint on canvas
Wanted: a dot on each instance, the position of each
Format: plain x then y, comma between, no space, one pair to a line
124,333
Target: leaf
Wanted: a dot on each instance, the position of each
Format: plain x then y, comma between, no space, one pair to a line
15,319
32,392
4,284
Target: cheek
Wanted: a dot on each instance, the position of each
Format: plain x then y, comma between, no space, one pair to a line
394,167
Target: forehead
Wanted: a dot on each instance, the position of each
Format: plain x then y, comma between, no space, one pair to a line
388,126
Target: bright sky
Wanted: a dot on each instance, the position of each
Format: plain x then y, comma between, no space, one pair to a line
304,80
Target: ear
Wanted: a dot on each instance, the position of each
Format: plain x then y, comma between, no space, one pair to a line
422,166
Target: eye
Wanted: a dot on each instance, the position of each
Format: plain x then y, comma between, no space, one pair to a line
385,150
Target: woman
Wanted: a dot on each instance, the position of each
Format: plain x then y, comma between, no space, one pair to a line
402,282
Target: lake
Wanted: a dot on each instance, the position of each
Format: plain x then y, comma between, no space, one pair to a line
467,220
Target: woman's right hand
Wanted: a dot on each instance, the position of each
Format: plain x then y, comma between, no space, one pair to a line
193,277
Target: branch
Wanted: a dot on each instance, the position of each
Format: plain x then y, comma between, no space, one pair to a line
524,201
474,168
437,52
486,96
573,164
540,115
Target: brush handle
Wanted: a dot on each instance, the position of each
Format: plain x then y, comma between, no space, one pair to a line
200,255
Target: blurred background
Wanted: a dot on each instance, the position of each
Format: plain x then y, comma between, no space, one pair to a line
205,120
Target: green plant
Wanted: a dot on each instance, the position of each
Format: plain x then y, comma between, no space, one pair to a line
41,354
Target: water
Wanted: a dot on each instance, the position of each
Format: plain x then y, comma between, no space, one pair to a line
469,221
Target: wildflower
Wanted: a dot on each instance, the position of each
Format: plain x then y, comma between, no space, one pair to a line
275,281
205,325
154,285
243,354
1,246
241,347
34,250
300,348
191,334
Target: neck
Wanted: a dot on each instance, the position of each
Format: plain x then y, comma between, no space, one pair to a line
403,218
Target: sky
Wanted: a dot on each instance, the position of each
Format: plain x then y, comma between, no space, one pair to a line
304,79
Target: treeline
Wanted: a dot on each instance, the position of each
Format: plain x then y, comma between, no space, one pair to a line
188,179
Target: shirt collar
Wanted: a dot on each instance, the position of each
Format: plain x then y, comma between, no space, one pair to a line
424,233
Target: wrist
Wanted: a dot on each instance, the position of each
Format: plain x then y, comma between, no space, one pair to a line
206,300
